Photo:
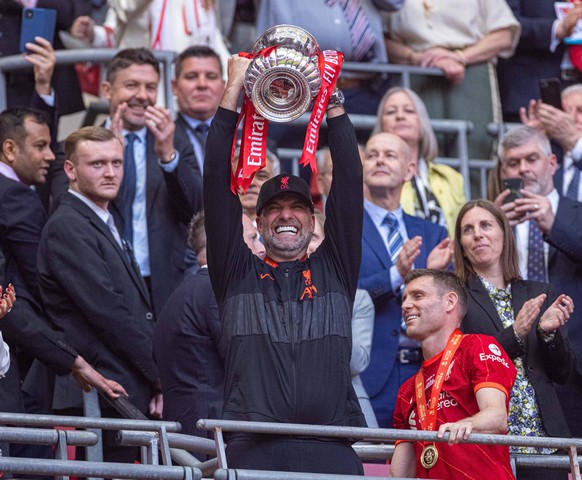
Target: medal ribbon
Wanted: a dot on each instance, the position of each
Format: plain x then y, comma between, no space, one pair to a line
427,415
253,148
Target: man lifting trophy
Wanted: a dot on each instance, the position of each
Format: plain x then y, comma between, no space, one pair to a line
286,319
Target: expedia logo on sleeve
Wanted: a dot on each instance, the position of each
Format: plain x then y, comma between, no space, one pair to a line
494,356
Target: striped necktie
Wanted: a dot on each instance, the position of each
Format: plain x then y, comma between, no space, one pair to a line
395,241
361,34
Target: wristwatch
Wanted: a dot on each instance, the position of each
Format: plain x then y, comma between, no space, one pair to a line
336,99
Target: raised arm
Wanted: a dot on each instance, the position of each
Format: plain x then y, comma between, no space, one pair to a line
222,208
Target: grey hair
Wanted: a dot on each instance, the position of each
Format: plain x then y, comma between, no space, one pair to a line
522,135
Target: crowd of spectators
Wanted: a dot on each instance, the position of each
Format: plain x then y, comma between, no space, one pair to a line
103,239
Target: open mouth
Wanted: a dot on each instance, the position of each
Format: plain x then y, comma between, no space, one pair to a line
409,318
286,230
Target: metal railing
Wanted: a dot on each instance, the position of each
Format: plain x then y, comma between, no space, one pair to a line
99,56
460,129
403,71
571,445
159,435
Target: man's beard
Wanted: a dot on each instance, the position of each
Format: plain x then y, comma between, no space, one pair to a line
289,251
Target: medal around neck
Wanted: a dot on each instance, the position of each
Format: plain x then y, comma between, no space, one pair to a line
429,456
283,83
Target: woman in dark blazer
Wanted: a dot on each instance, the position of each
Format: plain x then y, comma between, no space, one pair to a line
525,318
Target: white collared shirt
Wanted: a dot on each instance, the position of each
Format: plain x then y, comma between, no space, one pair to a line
378,214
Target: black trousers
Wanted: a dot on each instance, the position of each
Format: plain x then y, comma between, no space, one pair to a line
307,455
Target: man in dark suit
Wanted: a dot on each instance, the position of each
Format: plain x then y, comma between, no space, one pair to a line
389,252
525,152
187,348
198,88
162,187
25,156
90,283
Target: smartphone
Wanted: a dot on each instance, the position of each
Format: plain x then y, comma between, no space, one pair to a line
551,92
37,22
514,185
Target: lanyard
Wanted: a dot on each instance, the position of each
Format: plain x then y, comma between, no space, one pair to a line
427,415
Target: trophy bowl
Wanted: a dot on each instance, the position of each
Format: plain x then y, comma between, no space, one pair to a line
283,84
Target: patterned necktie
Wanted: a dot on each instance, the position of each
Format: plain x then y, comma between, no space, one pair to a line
574,185
395,241
361,34
128,186
536,267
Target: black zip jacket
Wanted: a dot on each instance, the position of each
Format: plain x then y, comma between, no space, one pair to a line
287,326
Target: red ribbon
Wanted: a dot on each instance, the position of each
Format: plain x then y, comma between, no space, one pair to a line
329,65
253,149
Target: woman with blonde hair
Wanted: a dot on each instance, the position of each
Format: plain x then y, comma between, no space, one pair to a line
436,192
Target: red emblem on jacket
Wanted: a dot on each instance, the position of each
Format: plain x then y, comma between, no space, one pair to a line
309,287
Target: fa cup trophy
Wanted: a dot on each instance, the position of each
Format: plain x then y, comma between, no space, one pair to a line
288,75
283,83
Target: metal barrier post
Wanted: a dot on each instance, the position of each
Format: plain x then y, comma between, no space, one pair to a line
91,408
220,449
61,451
574,465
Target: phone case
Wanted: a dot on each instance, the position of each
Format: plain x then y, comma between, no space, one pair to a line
551,92
37,22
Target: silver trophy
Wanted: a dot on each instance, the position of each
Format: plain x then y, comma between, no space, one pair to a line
284,84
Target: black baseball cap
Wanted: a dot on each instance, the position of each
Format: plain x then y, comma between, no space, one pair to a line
281,185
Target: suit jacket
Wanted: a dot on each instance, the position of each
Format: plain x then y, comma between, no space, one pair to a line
519,75
544,363
181,135
95,294
375,278
565,265
25,328
171,201
189,356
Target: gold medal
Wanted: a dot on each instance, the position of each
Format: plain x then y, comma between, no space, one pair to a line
429,456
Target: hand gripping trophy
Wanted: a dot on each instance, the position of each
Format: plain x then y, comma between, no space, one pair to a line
288,75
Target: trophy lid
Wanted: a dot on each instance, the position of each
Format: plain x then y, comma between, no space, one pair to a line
289,35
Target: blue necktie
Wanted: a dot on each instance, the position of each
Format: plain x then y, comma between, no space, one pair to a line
128,186
395,241
201,132
574,185
536,267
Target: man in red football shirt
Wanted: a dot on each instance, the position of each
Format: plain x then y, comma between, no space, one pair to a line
462,387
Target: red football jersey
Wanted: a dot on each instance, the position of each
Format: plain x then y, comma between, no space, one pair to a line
479,362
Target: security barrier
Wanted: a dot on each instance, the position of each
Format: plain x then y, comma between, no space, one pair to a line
571,445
